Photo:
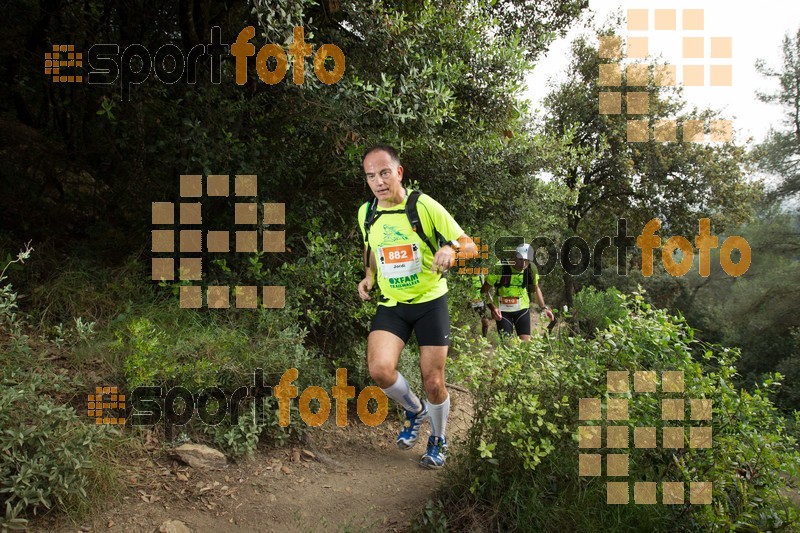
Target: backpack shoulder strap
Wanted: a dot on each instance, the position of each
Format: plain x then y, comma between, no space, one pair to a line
528,280
416,223
369,218
372,207
505,277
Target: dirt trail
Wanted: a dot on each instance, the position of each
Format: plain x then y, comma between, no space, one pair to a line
360,481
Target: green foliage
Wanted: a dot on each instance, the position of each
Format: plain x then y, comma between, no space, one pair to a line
756,311
519,467
175,348
240,439
49,457
198,352
46,458
780,152
69,295
322,296
433,518
597,309
788,396
72,335
610,178
9,320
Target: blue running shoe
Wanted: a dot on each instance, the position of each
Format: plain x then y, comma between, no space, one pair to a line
435,457
408,435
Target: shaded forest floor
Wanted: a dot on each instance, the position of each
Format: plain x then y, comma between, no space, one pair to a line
353,479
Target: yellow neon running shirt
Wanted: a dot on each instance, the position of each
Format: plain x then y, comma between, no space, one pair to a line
403,259
512,293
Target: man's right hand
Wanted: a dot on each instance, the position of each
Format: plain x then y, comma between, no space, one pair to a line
497,315
364,287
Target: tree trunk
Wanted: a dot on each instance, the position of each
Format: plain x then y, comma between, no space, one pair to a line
573,221
569,290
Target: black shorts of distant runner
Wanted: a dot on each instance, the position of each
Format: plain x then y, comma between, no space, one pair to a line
519,320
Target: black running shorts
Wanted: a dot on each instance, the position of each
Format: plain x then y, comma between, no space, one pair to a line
429,320
519,320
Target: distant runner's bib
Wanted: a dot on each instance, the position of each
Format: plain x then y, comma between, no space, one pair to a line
509,303
400,260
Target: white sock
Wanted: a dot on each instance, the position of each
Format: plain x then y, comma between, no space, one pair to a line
438,414
400,392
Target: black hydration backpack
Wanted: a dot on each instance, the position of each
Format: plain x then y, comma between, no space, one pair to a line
413,217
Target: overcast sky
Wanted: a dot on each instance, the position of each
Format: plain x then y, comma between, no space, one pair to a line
756,32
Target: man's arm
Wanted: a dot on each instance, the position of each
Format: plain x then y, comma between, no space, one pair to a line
444,223
496,314
447,255
540,299
368,282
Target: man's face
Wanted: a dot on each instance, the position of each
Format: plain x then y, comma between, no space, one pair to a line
520,264
384,176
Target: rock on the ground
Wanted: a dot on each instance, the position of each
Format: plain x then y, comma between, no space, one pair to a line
173,526
199,456
309,455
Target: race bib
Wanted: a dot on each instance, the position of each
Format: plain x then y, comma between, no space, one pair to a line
509,303
400,260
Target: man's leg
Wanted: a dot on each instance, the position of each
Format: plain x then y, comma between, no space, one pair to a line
522,324
431,362
383,353
484,320
505,326
432,327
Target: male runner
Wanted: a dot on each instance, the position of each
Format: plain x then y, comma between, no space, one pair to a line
514,285
413,296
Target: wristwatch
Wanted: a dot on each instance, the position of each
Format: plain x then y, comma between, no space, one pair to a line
455,245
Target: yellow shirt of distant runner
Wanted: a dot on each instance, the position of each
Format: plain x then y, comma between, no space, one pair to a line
516,288
403,259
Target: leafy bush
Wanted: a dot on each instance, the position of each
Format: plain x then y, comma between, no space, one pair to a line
519,466
322,297
596,309
789,369
174,348
46,458
9,320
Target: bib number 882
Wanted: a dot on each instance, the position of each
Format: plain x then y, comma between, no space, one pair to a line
399,254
